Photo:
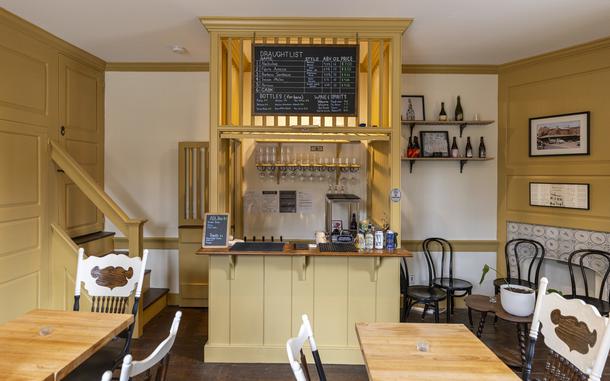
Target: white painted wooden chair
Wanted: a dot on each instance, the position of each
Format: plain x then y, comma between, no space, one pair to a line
576,335
158,359
294,348
110,281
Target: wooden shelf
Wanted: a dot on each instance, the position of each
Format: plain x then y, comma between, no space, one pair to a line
462,124
461,160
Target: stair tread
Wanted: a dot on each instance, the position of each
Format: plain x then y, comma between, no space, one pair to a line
82,239
152,295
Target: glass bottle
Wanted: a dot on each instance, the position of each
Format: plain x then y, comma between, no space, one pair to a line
455,152
459,113
482,149
468,147
369,238
443,115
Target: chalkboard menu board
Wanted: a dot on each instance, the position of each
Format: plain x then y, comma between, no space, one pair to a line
305,80
216,230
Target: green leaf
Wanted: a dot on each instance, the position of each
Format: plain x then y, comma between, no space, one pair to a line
484,273
552,290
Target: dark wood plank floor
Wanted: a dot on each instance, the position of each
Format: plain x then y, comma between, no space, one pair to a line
187,354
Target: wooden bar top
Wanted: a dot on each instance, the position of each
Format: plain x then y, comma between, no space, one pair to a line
289,250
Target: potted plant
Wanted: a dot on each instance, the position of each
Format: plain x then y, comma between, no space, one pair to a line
515,299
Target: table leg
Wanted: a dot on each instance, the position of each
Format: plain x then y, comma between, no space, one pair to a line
521,332
481,324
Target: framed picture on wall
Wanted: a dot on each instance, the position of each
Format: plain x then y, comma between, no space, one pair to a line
412,107
559,135
434,143
560,195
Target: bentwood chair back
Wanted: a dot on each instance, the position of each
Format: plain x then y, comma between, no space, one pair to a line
428,295
294,348
110,281
576,335
454,287
155,365
520,249
580,260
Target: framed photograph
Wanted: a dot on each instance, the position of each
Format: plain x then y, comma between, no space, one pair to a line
559,135
412,107
560,195
434,143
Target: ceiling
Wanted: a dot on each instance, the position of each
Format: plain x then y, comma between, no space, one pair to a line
443,32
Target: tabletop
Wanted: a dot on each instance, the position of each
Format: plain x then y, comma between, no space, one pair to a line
483,304
454,353
48,344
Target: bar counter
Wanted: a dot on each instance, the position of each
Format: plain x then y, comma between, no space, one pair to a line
256,300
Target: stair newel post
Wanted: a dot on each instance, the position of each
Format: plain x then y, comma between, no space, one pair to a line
135,237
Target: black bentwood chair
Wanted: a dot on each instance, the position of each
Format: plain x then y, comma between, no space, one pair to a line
428,295
454,287
513,248
577,259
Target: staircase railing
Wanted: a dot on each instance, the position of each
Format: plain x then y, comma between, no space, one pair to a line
133,229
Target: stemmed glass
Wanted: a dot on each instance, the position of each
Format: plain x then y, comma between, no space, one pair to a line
354,171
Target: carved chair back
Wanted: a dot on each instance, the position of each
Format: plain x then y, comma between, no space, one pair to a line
155,366
110,281
446,250
579,259
576,334
294,348
518,248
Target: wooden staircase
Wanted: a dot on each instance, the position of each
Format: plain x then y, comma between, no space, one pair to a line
153,300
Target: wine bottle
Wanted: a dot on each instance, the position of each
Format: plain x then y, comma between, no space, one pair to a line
443,115
468,147
410,147
353,225
369,238
459,113
455,152
482,149
416,149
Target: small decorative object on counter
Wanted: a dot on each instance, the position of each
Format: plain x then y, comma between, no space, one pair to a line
482,149
389,240
360,244
455,152
443,115
459,113
468,147
379,239
369,239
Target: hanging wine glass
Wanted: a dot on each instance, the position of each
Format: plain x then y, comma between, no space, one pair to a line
354,171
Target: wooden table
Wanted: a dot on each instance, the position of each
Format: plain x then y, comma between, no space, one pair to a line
25,354
482,304
390,353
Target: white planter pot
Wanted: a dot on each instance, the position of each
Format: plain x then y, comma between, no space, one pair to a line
516,303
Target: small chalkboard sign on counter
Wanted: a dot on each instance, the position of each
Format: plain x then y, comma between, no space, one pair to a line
216,230
305,80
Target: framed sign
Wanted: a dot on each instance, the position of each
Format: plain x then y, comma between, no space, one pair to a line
434,143
560,135
412,107
556,195
215,230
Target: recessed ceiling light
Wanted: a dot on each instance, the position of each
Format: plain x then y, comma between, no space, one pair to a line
179,49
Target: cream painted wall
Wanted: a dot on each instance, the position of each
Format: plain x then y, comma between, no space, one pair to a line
147,114
438,200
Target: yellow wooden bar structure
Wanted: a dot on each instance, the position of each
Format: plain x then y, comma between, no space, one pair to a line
255,301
